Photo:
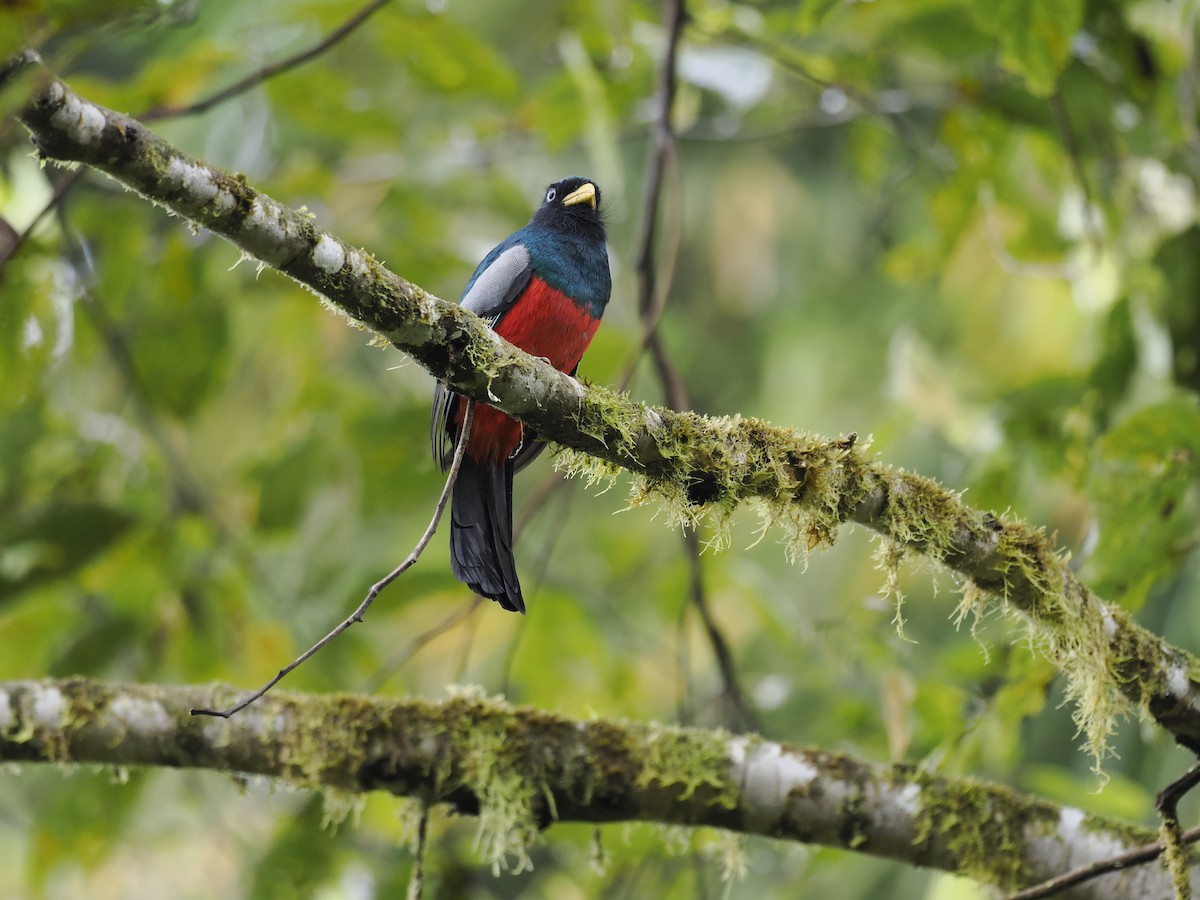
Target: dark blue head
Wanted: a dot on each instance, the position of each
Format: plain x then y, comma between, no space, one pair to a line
572,206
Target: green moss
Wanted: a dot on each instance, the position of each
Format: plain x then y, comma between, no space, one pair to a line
986,837
690,760
852,819
497,759
1175,858
889,558
1067,624
607,414
807,487
706,467
921,514
338,807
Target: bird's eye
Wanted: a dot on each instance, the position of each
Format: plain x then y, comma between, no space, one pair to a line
550,195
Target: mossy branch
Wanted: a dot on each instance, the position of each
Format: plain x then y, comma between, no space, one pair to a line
519,770
698,464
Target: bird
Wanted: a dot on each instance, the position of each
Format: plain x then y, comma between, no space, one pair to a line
544,288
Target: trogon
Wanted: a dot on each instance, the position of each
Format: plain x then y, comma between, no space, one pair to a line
544,289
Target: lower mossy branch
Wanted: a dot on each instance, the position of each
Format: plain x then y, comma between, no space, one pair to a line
519,770
698,465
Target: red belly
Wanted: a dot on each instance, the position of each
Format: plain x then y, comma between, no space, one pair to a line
542,322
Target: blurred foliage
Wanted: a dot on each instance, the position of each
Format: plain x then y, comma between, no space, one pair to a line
967,229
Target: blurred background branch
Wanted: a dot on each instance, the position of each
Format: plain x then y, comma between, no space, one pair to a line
547,769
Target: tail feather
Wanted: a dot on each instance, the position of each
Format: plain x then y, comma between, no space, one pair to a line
481,554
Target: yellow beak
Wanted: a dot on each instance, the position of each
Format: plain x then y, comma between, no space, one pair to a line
585,193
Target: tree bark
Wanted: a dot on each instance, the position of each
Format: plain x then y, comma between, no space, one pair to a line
521,769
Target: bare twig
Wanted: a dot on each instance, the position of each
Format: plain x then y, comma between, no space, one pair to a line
1167,805
683,665
1137,857
663,150
61,189
733,693
357,615
256,78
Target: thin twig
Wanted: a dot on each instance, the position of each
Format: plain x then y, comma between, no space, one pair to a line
188,491
464,656
791,60
256,78
653,290
716,638
650,287
357,615
683,665
1137,857
416,881
653,304
250,81
60,191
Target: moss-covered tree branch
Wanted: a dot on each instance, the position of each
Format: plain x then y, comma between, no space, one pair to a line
809,484
519,769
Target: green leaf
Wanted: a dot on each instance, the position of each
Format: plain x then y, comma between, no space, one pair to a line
441,55
1143,472
81,824
1035,37
54,542
181,336
1180,267
300,858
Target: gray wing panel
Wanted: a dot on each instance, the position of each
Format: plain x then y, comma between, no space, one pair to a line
500,283
491,293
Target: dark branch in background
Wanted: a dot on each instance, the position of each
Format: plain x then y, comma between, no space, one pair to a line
416,880
809,483
1076,877
788,58
61,189
1172,837
651,298
357,615
188,492
254,79
523,769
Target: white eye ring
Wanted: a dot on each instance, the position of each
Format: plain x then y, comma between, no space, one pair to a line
550,195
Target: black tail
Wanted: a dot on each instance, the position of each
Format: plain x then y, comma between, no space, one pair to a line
481,554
